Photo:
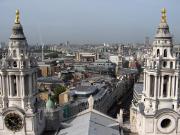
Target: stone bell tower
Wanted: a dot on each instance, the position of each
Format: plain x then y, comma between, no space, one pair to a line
158,111
19,113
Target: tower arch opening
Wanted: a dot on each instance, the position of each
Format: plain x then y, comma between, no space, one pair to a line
165,53
14,90
158,52
165,86
152,83
14,64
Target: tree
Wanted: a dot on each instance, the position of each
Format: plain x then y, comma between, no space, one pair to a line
57,91
138,66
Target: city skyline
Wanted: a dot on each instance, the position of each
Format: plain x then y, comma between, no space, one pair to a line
88,21
92,89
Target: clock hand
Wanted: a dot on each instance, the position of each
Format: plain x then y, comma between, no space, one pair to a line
12,121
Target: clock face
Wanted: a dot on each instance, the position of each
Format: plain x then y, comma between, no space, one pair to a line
13,122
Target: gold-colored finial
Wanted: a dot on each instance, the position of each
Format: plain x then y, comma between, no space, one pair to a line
17,20
163,17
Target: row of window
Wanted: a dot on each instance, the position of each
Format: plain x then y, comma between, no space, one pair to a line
165,85
161,42
165,31
165,64
164,54
15,64
15,53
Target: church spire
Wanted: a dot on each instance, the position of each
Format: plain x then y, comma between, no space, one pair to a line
17,30
163,17
163,32
17,19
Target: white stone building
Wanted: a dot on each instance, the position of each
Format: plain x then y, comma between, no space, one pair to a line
19,114
158,110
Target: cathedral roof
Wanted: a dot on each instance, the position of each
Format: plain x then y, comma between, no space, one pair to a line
90,123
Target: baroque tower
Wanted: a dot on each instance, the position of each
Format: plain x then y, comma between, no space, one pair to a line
158,110
19,114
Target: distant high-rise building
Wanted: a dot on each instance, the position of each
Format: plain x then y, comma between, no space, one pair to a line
147,43
42,52
157,112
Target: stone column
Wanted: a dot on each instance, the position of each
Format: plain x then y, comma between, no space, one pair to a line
22,92
17,85
1,84
175,86
169,87
172,88
5,94
155,87
22,84
162,83
2,91
144,83
159,87
34,82
4,85
30,85
176,96
10,85
147,85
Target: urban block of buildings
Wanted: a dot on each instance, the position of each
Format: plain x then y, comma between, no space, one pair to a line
97,79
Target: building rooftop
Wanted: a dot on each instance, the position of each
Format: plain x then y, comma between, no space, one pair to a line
52,79
138,88
126,71
91,123
84,90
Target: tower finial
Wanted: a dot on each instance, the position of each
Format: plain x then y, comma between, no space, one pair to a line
163,17
17,19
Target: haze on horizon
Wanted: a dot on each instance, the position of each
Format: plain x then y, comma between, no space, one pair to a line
88,21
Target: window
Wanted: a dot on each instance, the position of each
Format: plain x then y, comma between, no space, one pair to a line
24,64
22,52
165,53
165,123
158,53
15,64
171,64
14,53
164,64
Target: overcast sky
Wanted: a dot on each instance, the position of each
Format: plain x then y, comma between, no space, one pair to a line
88,21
